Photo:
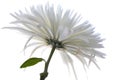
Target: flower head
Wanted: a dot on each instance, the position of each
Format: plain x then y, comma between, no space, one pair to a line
64,29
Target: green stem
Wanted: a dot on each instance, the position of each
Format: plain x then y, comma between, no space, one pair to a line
45,73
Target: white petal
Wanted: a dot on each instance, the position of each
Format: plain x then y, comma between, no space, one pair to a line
68,60
33,51
21,30
27,42
82,59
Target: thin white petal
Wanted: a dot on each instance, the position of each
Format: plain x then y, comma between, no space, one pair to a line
27,43
21,30
33,51
81,58
96,64
68,60
99,54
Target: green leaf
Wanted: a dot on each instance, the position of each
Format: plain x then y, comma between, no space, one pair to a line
31,62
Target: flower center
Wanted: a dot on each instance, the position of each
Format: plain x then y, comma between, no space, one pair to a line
55,42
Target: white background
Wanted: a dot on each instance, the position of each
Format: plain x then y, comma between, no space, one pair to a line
103,14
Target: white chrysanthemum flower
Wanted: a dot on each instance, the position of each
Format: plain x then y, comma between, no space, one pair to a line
53,26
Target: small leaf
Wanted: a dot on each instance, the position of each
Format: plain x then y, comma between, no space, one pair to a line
31,62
